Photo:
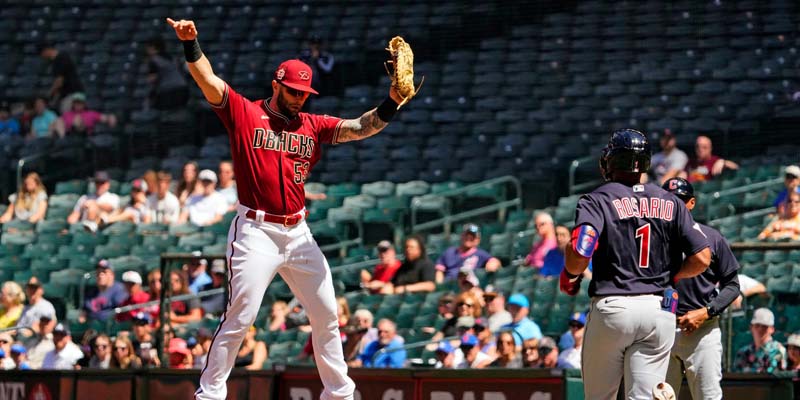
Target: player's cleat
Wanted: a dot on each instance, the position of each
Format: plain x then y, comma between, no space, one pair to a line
663,391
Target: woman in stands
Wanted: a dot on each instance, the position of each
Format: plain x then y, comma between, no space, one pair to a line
137,212
188,184
123,356
277,317
253,352
29,203
183,311
507,355
12,299
467,305
154,290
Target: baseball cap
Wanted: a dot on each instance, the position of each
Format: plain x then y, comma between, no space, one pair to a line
296,75
444,347
218,267
547,343
792,170
139,184
207,175
465,322
191,341
34,282
143,317
763,316
79,96
132,277
492,291
18,348
471,228
793,340
469,340
579,318
101,176
178,345
384,245
61,329
519,299
104,264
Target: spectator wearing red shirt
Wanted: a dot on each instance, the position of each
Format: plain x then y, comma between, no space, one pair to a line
136,295
705,165
80,120
384,271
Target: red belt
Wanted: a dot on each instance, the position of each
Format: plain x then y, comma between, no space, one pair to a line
286,220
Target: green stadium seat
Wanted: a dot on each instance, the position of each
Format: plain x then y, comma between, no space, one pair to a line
198,239
781,284
152,229
88,239
39,250
18,238
120,228
378,189
779,269
412,188
75,186
361,201
776,256
183,229
51,226
751,256
110,251
344,190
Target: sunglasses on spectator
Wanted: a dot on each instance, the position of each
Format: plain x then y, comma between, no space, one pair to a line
101,346
3,341
121,348
462,304
479,328
545,350
575,325
530,348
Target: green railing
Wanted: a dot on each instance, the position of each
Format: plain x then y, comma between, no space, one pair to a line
575,188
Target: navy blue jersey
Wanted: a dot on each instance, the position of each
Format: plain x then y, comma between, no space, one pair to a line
644,232
698,292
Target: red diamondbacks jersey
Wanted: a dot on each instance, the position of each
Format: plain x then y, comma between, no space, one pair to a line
272,154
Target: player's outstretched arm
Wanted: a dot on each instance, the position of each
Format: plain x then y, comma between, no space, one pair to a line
695,264
212,86
372,121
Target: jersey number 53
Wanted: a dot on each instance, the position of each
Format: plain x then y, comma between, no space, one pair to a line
301,171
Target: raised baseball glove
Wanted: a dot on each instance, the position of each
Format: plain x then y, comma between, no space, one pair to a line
402,71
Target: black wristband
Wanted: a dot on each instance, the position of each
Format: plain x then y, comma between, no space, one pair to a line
191,50
387,110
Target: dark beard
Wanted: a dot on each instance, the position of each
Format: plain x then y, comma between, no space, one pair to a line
283,106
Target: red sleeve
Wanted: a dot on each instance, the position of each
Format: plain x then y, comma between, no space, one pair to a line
326,128
231,108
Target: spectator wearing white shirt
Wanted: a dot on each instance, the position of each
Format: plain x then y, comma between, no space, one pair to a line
89,207
135,212
66,354
164,207
207,208
571,358
227,184
37,308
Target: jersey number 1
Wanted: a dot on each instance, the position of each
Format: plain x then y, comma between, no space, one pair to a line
643,234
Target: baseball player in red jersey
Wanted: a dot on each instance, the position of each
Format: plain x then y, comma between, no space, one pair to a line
274,146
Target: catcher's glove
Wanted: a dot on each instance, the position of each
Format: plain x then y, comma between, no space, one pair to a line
402,72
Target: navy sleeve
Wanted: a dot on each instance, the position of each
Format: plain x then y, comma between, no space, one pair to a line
588,212
693,240
727,269
725,259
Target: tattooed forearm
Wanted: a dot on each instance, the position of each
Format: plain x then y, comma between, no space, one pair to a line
361,128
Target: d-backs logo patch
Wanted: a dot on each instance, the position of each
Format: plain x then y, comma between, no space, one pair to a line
281,72
303,75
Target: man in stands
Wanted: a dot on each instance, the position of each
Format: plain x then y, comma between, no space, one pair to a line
468,255
37,307
791,182
66,82
40,343
787,225
227,184
80,120
215,304
496,313
136,295
106,295
394,357
523,327
90,207
765,354
670,161
144,344
208,207
705,165
163,205
384,271
196,272
65,354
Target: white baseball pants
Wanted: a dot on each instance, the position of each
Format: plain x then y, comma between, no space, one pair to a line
699,355
630,337
257,251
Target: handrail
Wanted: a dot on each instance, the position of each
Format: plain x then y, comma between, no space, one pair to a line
760,211
171,299
411,346
445,221
573,167
21,163
765,246
342,246
746,188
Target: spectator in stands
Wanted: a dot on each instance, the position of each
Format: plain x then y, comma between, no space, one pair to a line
467,305
379,281
188,184
445,355
486,339
200,347
66,82
65,354
786,226
26,117
227,184
547,240
37,308
705,166
136,212
466,255
496,313
748,287
165,208
19,357
168,90
154,288
9,126
252,353
416,273
183,311
523,327
765,354
791,182
106,295
123,355
215,303
297,318
144,344
468,282
321,63
90,207
353,343
365,321
43,122
530,353
548,354
135,294
208,207
571,357
395,355
180,357
150,177
507,354
474,358
40,343
196,271
277,316
554,260
446,307
5,348
12,302
793,352
80,120
670,161
29,203
101,352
